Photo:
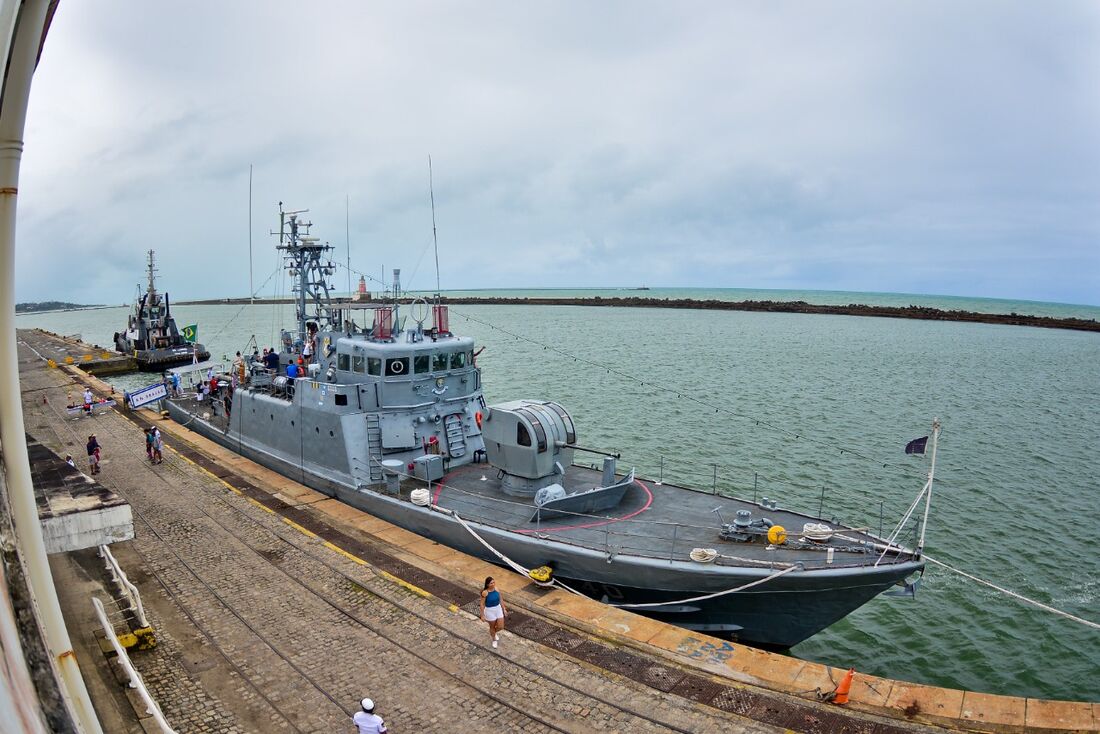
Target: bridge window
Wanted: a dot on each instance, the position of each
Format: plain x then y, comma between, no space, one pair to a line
357,363
342,362
458,360
422,363
374,366
441,362
397,367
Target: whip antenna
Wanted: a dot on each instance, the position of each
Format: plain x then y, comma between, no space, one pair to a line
251,293
347,237
435,240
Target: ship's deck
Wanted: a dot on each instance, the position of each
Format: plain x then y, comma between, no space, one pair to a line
653,520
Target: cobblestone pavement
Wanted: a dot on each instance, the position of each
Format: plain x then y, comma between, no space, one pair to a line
263,627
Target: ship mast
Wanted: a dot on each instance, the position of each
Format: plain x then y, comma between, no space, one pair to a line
307,261
152,282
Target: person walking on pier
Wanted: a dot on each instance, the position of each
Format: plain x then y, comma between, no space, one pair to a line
149,443
93,454
366,721
158,446
493,610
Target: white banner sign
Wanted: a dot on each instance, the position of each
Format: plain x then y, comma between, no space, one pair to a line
147,395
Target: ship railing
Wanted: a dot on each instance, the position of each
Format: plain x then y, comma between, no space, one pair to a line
826,502
658,539
135,679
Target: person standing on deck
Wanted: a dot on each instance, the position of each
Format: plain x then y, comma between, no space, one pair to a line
88,398
149,443
238,370
493,610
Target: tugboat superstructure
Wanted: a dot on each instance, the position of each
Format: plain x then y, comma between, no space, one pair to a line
384,411
151,334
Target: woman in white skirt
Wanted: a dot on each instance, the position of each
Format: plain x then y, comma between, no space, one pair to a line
493,610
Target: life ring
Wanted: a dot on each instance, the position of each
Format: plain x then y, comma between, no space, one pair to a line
477,419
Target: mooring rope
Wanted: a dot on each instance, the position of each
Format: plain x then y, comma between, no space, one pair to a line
749,585
526,572
1014,595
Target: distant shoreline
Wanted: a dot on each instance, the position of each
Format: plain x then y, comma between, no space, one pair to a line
55,307
921,313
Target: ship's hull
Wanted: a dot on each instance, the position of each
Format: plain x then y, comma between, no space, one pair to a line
778,614
158,360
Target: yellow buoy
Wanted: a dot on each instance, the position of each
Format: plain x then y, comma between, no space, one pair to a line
87,358
68,360
777,535
51,363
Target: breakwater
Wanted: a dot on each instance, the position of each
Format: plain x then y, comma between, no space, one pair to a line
922,313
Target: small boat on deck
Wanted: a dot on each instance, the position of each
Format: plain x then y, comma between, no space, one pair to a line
386,414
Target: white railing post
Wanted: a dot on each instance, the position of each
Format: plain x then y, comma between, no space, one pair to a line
124,583
135,678
26,40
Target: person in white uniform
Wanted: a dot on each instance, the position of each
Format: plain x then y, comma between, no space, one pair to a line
368,722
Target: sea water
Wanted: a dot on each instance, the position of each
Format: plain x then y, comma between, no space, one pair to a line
814,411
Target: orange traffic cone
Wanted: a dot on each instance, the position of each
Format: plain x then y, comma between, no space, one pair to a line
841,695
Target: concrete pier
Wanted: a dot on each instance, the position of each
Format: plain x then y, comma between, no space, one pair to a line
277,609
70,350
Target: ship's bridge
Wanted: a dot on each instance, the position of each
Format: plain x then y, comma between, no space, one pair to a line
412,369
358,359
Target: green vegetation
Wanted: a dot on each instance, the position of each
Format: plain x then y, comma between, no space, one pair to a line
49,306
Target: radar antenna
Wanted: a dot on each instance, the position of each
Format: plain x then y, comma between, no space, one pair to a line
306,260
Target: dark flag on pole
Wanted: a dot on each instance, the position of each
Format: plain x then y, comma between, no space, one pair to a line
917,445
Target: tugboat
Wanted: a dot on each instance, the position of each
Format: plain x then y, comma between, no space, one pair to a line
385,413
151,335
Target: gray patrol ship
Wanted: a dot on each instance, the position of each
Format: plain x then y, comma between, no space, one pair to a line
388,416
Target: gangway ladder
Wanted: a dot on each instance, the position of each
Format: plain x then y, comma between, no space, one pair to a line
456,437
374,448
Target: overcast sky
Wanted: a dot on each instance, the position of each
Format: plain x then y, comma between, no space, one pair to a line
927,147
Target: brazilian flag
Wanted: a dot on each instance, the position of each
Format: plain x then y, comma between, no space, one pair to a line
191,333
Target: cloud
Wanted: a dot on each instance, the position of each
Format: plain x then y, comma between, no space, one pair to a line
927,147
